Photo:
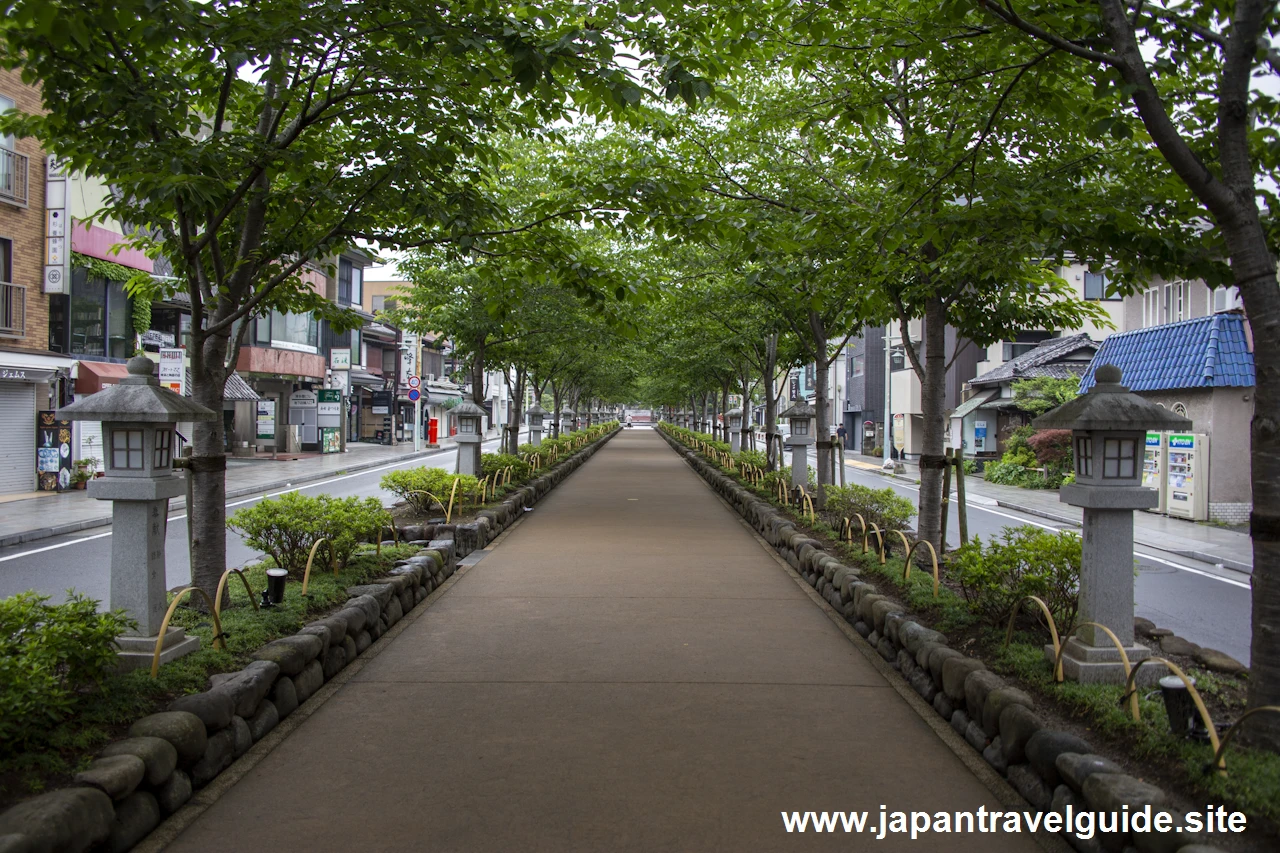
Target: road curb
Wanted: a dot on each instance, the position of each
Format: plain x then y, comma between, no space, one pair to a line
180,503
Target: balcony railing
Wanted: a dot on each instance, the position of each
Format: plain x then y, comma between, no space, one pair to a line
13,310
13,177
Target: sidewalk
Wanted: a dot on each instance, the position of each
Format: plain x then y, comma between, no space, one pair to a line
56,514
628,669
1203,542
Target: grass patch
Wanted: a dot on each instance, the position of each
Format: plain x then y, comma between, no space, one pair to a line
1252,784
102,715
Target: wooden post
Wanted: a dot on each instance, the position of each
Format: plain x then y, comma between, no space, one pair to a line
946,495
962,514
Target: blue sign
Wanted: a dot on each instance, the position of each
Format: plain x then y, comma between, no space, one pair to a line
414,394
1182,442
1153,439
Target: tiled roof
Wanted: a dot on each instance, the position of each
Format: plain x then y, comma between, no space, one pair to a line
235,389
1041,361
1207,352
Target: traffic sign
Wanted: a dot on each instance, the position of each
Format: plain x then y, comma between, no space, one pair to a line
414,394
415,382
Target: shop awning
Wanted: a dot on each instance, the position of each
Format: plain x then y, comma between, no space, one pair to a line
93,376
366,379
973,403
437,398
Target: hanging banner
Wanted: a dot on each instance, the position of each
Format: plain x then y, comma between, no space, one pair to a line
53,453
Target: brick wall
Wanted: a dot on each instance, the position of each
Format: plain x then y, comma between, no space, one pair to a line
25,226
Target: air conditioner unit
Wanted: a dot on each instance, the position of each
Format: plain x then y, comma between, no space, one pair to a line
431,377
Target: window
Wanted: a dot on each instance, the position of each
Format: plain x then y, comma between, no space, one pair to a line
1225,299
6,139
126,449
161,456
350,281
859,365
101,318
1097,286
379,303
1150,307
1084,456
294,331
262,331
6,261
1118,458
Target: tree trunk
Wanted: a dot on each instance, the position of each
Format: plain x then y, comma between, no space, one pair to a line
477,389
932,373
555,416
517,411
207,515
770,401
821,405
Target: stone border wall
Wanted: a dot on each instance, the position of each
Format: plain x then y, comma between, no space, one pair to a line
1052,770
135,783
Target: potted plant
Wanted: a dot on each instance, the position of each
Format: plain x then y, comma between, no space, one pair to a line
86,469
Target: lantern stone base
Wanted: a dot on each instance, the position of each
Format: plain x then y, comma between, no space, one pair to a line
1101,664
137,652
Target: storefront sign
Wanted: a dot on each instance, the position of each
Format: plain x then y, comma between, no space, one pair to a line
381,402
266,419
173,374
340,358
303,400
899,431
329,403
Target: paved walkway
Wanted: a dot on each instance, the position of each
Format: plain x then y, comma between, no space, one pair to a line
627,670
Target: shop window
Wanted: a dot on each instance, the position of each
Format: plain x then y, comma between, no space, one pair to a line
126,449
101,318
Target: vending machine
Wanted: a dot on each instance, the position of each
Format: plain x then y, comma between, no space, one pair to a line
1154,463
1187,489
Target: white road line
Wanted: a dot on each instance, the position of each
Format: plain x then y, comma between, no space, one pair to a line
241,502
1210,575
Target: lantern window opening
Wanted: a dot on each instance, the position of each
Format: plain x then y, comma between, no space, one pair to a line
1119,458
126,449
800,426
163,453
1084,456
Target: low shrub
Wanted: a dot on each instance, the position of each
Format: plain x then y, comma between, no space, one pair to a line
286,527
884,507
997,576
1052,448
427,488
755,458
493,463
1028,477
49,653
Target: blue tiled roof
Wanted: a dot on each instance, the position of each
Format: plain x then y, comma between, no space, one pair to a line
1207,352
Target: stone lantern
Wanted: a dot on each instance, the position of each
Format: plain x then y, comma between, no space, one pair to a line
734,417
535,413
138,441
470,417
597,417
801,417
1109,427
566,421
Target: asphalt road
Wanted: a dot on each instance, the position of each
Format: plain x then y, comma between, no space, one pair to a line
1204,603
83,560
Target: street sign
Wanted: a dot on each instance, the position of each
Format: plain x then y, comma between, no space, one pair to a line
173,374
414,382
414,395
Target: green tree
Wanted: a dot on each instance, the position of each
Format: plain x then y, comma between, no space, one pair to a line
1039,394
249,142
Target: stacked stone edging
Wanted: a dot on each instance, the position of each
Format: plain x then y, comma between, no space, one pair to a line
1051,770
136,782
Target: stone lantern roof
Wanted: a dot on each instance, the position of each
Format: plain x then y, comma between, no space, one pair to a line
734,413
800,410
535,409
1110,406
468,409
137,398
